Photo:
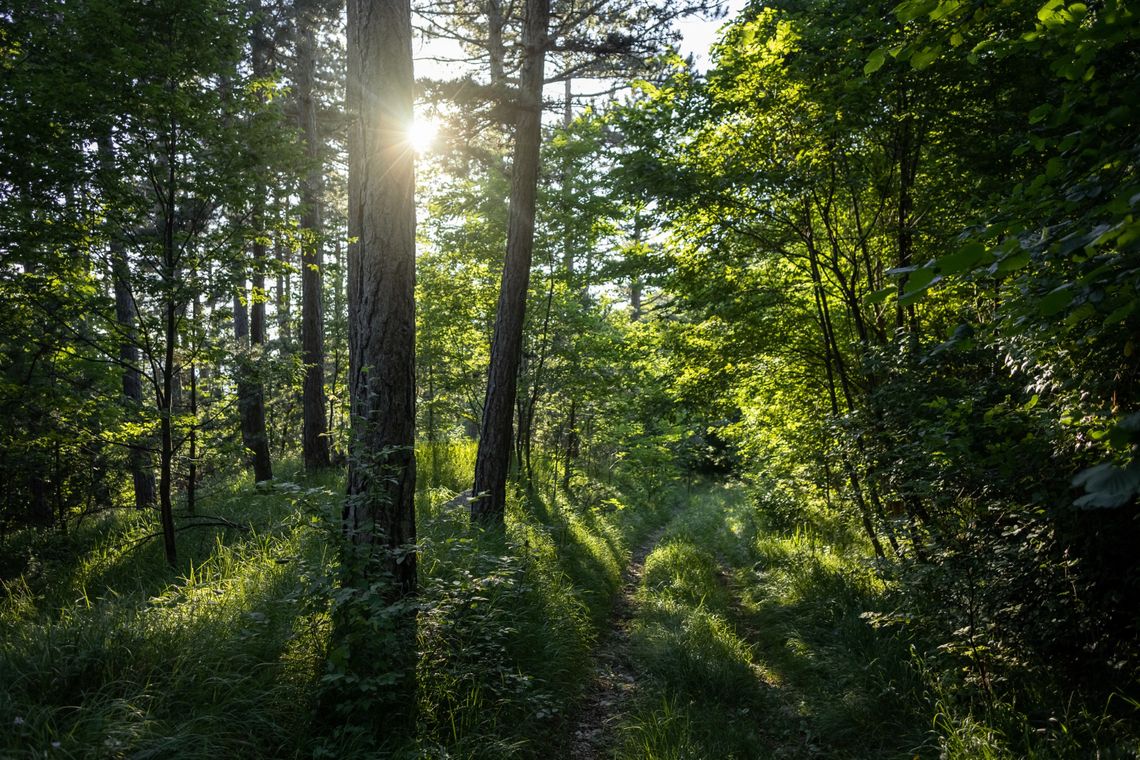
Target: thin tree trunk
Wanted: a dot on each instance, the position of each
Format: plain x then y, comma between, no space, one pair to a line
496,51
192,470
907,147
493,456
251,409
166,411
251,393
314,431
831,355
338,309
526,423
142,468
571,444
432,433
280,299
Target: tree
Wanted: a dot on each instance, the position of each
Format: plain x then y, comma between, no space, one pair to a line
249,326
493,457
380,512
596,40
314,434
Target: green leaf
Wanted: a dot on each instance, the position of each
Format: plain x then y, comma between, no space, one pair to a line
1107,486
965,258
1013,261
1040,112
1119,314
880,295
874,62
917,284
1056,301
909,10
925,57
944,9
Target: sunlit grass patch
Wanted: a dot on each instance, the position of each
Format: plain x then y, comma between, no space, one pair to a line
109,652
677,569
215,659
661,733
508,621
703,695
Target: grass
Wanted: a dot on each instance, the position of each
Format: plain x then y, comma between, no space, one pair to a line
115,654
754,646
757,635
105,651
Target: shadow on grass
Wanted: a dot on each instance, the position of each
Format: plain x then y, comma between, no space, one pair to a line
755,648
217,659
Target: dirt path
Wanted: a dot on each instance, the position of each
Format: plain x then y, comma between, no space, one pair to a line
593,734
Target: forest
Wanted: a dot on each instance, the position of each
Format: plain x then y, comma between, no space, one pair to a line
512,379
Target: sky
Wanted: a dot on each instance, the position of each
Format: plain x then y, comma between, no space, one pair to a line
697,36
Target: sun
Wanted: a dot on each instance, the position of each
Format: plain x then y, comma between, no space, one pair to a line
422,133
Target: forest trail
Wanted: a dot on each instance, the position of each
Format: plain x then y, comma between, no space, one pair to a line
593,734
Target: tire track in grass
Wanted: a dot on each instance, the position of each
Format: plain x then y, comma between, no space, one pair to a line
593,733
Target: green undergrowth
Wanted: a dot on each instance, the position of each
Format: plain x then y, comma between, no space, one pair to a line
105,651
754,646
509,621
759,633
108,652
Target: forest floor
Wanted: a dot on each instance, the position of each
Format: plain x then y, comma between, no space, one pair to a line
738,629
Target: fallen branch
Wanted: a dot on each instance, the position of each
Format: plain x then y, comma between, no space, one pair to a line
211,522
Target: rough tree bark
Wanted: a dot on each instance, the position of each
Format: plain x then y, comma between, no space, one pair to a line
492,460
380,511
314,430
251,407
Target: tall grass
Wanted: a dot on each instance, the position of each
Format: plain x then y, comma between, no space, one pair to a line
510,619
115,654
105,651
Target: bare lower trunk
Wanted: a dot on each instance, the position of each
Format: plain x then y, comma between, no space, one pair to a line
169,371
251,408
142,468
831,360
493,457
380,511
314,430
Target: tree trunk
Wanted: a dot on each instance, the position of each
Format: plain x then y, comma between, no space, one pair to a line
251,394
379,512
166,400
251,409
571,444
314,430
192,458
338,309
832,361
142,469
496,51
493,457
907,153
